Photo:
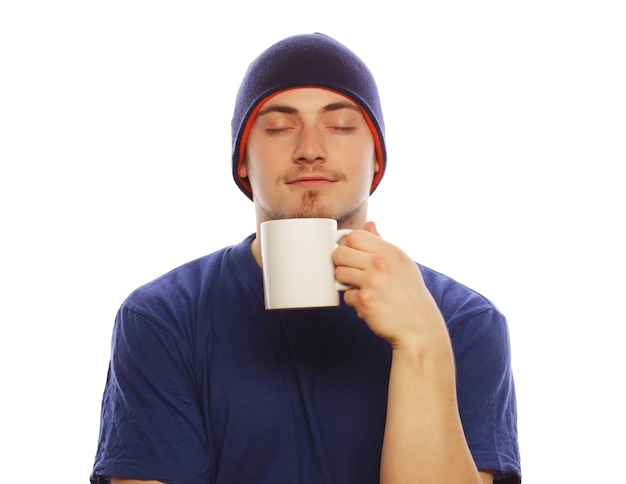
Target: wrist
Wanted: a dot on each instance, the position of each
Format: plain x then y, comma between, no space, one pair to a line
427,358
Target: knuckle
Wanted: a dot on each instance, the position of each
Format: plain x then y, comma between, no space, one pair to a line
338,252
368,296
381,263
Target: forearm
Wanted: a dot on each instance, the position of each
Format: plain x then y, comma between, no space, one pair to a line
424,439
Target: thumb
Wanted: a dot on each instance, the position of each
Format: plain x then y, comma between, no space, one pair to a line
371,228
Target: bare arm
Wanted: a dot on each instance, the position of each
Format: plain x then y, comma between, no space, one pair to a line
424,439
487,477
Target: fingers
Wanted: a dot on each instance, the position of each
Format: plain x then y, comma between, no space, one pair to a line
356,254
371,228
388,291
368,239
353,250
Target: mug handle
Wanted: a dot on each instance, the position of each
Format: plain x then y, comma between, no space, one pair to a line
340,234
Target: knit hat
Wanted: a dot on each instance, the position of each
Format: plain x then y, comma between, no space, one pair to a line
310,60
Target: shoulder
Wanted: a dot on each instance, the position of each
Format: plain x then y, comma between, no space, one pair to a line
457,302
188,284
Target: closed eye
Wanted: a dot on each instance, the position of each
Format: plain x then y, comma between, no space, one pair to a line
276,130
343,129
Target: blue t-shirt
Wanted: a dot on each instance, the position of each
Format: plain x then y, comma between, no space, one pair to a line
206,386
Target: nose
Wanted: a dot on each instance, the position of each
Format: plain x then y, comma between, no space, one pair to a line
310,147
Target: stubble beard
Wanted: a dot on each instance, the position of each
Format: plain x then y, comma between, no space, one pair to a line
312,206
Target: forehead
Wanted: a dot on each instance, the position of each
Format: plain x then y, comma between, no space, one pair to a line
307,98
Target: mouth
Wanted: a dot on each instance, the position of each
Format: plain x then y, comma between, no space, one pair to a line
310,181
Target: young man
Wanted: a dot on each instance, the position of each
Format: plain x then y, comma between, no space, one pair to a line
409,380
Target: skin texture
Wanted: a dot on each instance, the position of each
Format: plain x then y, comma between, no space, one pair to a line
305,158
311,154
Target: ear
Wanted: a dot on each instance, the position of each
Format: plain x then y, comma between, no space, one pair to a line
376,163
243,169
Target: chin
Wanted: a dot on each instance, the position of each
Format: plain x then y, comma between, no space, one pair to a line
311,205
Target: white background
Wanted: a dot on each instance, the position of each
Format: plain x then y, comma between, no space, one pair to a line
506,126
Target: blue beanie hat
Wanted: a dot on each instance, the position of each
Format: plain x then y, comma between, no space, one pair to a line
311,60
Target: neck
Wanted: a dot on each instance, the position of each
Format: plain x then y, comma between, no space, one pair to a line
255,247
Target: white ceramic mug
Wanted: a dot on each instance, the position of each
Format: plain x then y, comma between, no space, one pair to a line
298,271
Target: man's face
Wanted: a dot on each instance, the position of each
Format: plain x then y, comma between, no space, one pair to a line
310,153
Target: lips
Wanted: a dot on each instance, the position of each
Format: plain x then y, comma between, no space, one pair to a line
310,181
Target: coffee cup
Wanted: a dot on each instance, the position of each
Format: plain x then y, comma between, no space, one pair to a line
298,271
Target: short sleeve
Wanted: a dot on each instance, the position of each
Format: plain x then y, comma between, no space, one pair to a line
486,392
151,423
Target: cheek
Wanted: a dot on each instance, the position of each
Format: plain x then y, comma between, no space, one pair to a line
259,175
368,162
250,166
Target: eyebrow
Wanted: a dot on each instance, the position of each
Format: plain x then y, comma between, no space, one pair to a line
277,109
337,106
291,110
